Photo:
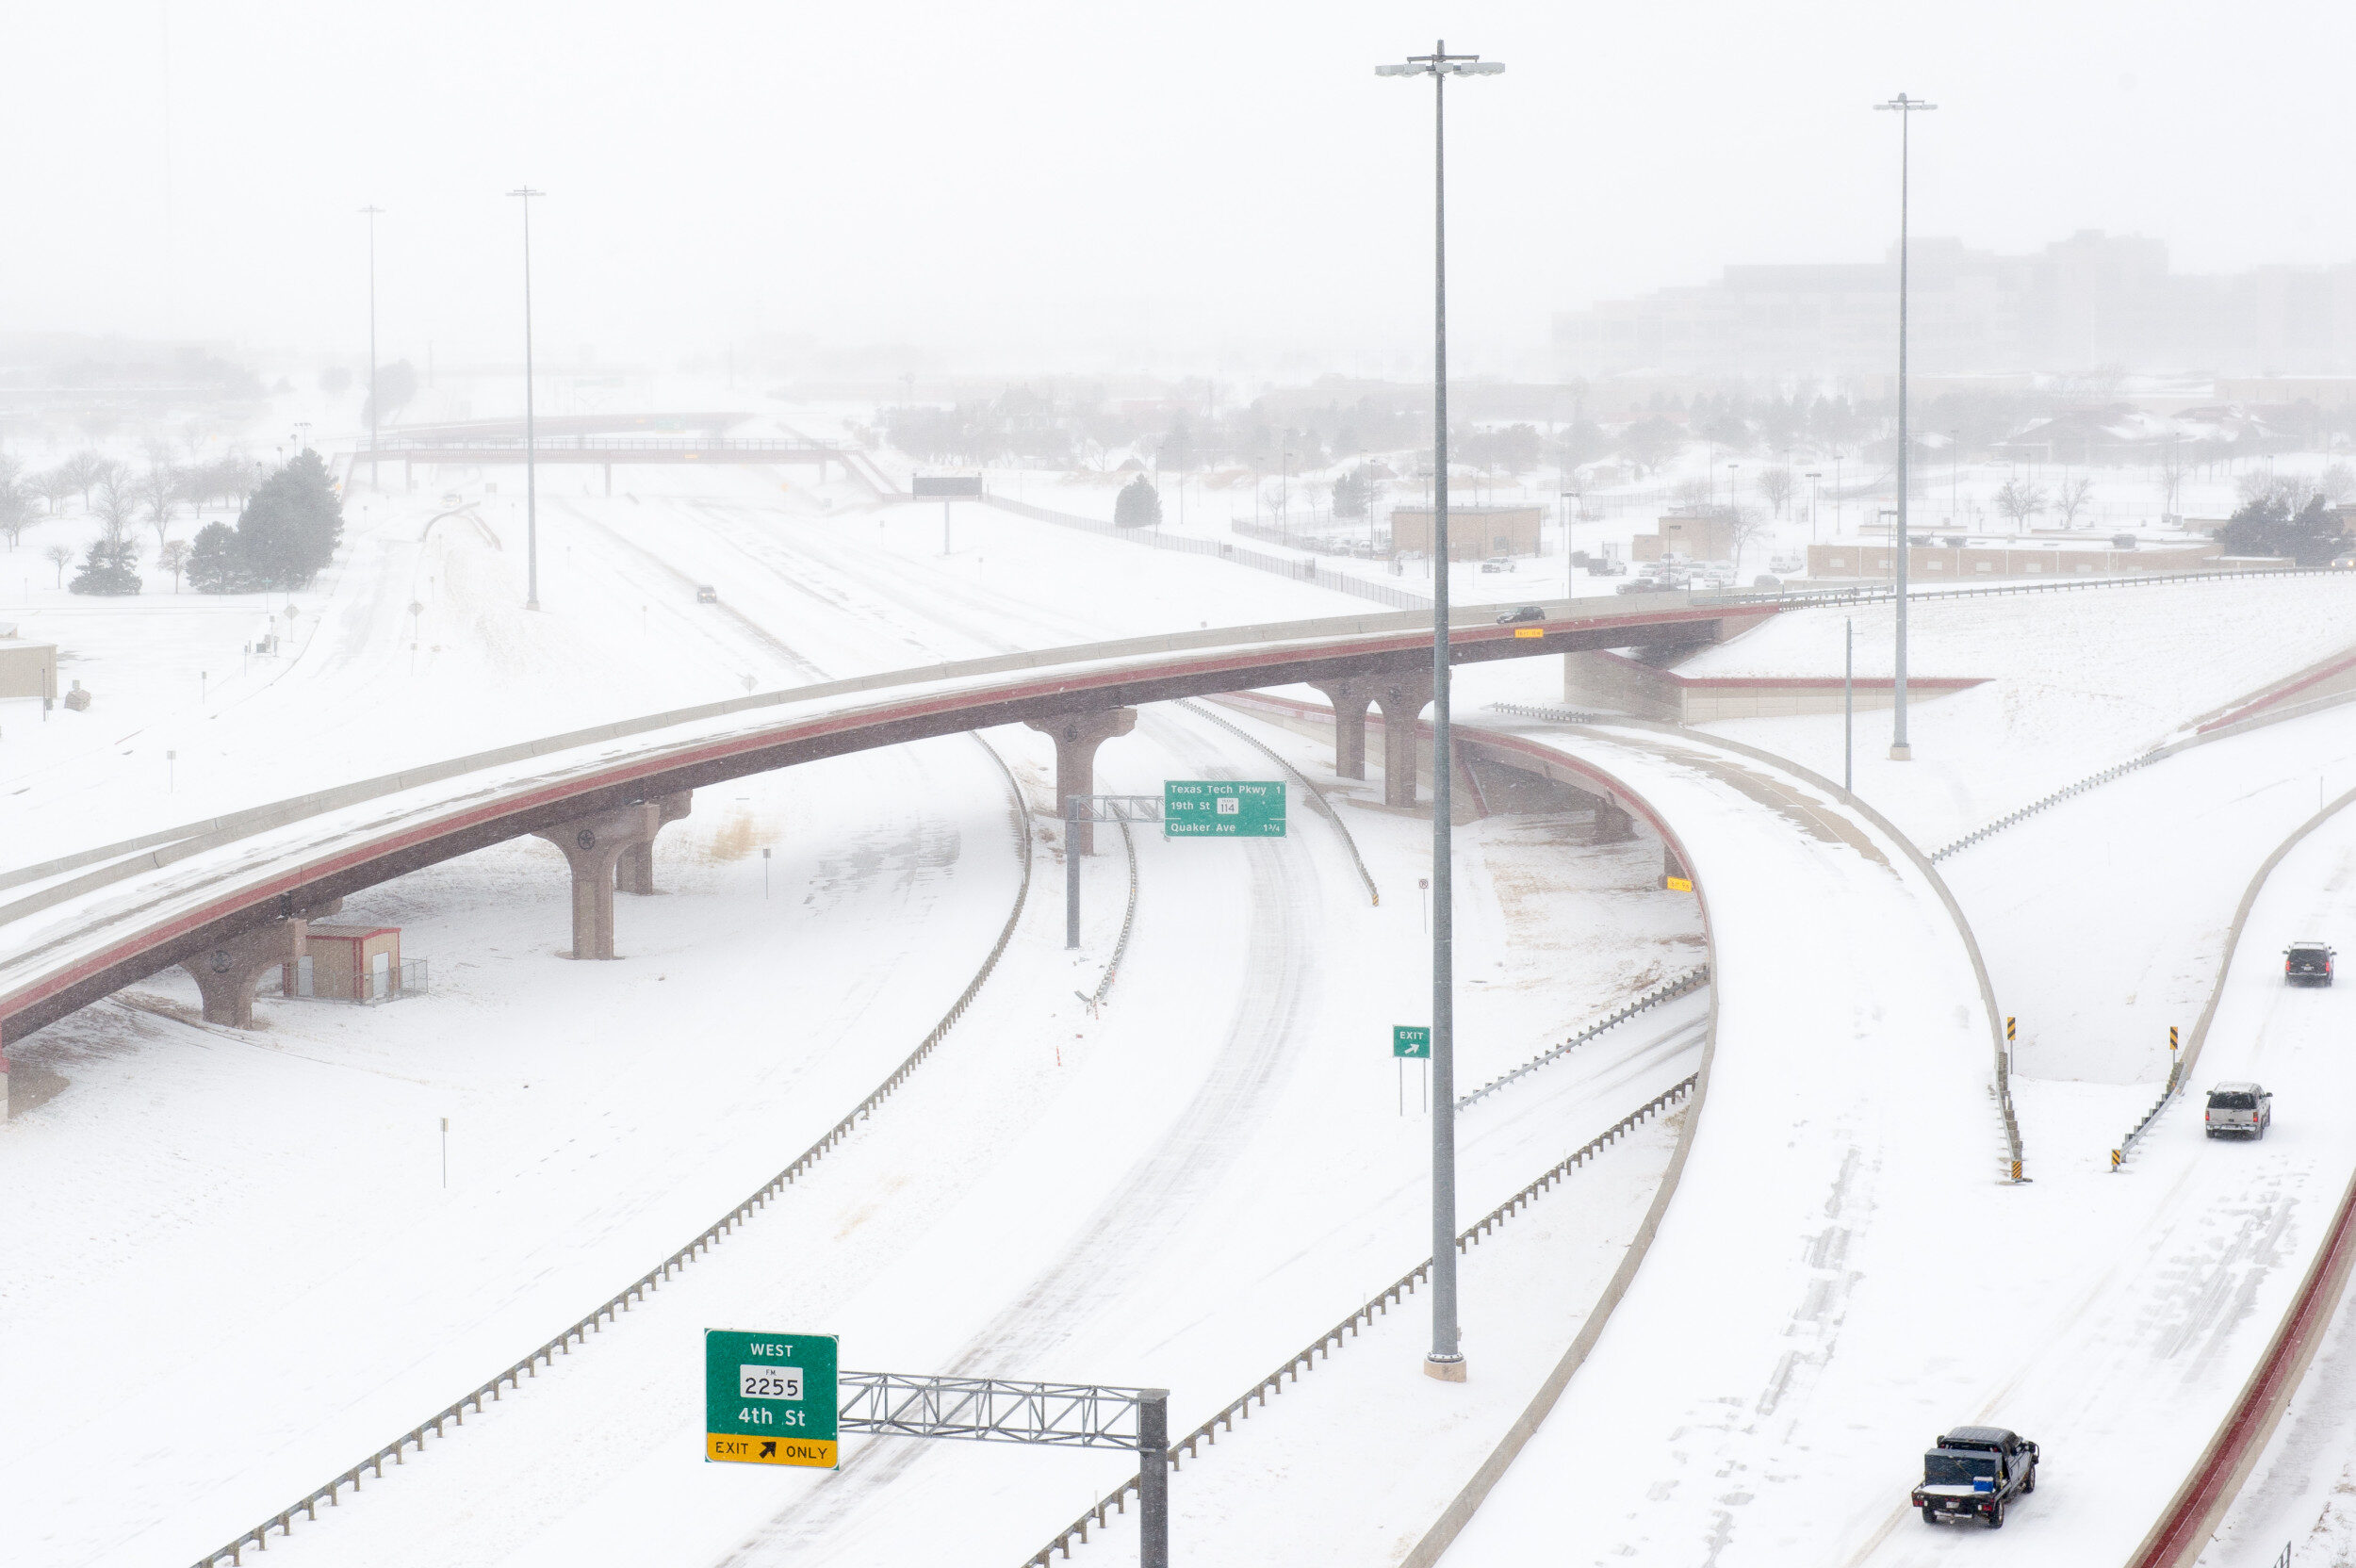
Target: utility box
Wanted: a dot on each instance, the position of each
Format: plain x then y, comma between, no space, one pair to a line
348,963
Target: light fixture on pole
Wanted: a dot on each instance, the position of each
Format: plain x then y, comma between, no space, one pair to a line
370,211
532,489
1905,108
1446,1360
1813,475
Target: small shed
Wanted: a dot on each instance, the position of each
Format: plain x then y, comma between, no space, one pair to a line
350,963
27,669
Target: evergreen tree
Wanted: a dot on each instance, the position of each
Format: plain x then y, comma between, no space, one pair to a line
109,568
290,526
2266,525
1138,505
214,564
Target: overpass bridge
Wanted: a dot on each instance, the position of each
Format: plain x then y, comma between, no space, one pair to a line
228,899
597,450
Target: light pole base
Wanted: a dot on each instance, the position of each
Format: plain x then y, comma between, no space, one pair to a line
1449,1369
1902,752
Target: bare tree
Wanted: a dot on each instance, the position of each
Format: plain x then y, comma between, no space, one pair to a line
2020,502
1776,485
16,512
2070,499
173,558
2175,463
54,486
59,556
1743,525
118,505
89,470
2338,484
161,490
1695,492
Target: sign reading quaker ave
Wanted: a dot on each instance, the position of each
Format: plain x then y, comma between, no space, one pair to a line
1222,808
770,1399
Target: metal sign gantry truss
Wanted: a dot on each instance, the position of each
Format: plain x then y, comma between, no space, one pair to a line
1061,1415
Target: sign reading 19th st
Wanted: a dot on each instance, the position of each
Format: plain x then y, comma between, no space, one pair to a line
1222,808
769,1398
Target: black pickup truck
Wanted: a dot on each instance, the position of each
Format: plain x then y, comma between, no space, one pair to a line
1975,1472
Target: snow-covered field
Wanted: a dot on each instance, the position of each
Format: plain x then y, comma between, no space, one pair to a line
1188,1188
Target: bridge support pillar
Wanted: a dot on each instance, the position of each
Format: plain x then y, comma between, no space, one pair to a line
594,847
634,872
1613,826
1673,866
1403,699
1351,699
1076,737
228,975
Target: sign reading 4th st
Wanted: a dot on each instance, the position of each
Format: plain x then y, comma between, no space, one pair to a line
1222,807
769,1398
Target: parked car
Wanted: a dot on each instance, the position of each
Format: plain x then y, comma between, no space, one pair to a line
2307,963
1605,567
1975,1472
2124,541
1642,586
706,594
1526,613
2245,1110
1766,579
1498,563
1785,564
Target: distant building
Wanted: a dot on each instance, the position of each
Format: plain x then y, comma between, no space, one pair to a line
1689,533
1474,532
2090,301
1875,560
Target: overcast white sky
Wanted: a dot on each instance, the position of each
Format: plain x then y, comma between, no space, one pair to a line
1027,184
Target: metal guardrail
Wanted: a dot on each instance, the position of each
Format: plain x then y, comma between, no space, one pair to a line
2014,819
2167,1098
1553,715
1300,571
1805,597
408,446
637,1290
1348,1328
1128,922
1691,980
1317,796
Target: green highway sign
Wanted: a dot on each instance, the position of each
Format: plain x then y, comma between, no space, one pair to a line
1410,1039
769,1398
1222,808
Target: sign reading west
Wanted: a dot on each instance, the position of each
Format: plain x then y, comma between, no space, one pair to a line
1222,808
769,1398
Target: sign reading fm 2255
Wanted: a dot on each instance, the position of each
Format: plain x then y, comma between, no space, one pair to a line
1222,808
769,1398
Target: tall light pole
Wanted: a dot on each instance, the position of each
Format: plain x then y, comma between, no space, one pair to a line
1905,108
1813,475
1446,1360
532,476
371,211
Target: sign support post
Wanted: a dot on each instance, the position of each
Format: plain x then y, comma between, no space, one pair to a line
948,488
1152,1478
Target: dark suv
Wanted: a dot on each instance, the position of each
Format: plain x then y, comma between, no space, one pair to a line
2307,963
